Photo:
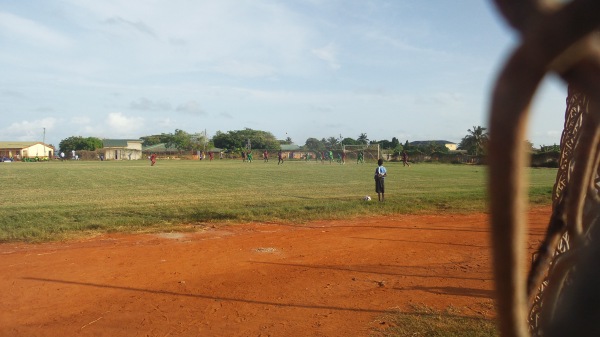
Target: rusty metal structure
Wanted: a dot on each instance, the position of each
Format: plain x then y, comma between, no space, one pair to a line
560,296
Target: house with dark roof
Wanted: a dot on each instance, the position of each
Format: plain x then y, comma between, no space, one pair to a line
291,151
122,149
21,150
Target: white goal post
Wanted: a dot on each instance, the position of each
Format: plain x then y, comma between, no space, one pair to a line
370,151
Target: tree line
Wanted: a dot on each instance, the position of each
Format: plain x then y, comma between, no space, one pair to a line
474,143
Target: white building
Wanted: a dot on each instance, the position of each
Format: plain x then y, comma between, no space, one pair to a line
122,149
20,150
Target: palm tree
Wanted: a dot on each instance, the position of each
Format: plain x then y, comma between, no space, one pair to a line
332,142
363,139
475,141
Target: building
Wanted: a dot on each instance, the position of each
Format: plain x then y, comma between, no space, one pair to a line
29,150
291,151
450,145
122,149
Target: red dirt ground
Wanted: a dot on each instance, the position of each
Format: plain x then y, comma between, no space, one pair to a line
327,278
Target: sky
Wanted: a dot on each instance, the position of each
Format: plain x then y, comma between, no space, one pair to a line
411,69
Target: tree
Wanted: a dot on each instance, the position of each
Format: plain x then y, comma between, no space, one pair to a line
550,148
153,139
200,141
226,140
349,141
79,143
180,140
363,139
435,147
475,142
238,139
331,142
384,144
398,149
314,144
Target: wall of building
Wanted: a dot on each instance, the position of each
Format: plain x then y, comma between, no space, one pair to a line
122,154
451,147
37,150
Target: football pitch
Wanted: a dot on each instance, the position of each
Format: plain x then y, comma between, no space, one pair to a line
55,200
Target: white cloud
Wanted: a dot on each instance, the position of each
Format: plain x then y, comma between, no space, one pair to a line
28,130
121,125
328,54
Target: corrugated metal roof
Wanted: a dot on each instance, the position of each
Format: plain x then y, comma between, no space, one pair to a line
18,145
118,142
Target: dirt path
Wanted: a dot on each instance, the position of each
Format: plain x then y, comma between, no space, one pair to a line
319,279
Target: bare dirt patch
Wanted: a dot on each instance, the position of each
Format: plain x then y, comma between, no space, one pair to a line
327,278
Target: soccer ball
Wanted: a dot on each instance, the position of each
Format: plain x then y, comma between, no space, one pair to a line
367,198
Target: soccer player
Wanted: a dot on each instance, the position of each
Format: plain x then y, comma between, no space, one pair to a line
405,159
279,157
380,174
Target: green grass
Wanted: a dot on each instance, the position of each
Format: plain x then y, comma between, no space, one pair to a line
55,200
423,321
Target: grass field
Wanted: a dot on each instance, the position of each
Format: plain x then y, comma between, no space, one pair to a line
55,200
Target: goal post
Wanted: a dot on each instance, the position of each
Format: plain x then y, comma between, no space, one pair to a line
370,152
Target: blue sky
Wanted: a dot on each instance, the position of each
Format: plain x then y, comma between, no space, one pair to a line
410,69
